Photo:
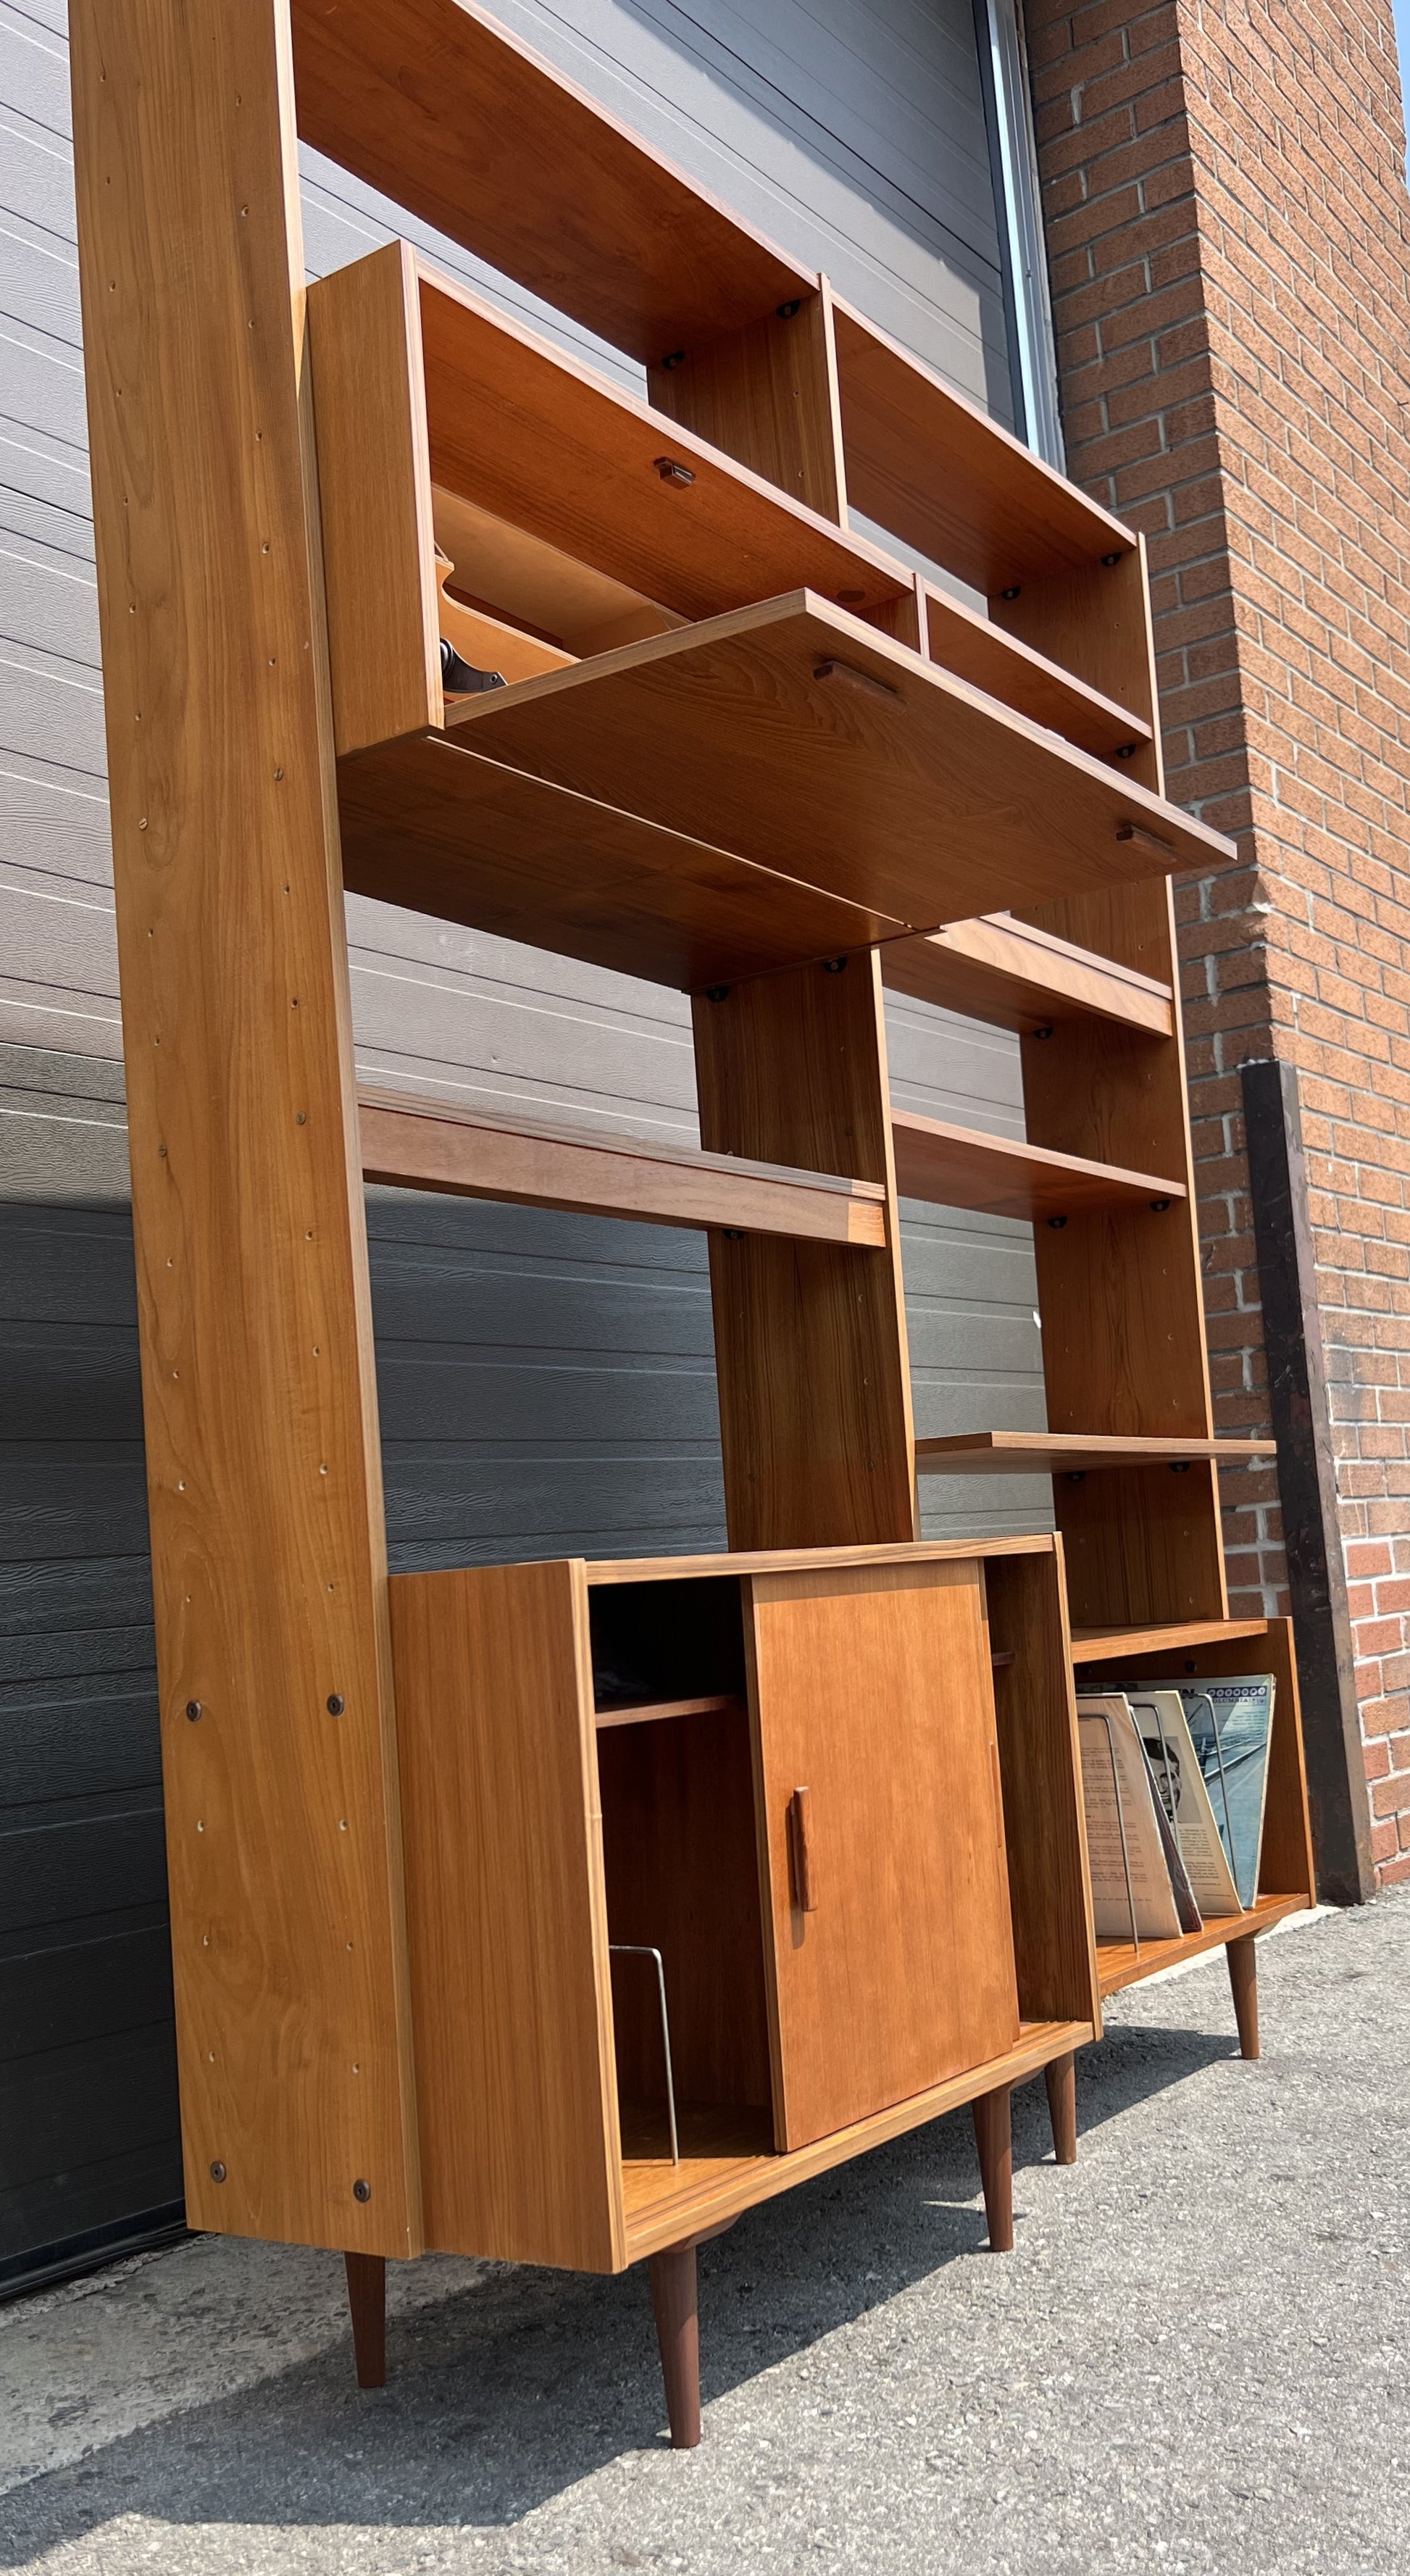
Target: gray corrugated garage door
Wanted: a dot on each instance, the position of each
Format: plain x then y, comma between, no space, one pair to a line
547,1382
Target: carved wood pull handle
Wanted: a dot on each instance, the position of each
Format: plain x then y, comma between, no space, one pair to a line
800,1851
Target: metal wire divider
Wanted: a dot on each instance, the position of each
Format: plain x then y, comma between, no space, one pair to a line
641,1950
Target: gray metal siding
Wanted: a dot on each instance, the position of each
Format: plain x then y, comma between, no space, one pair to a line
546,1382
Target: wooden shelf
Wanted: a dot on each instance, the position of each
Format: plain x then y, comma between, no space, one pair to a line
939,472
1121,1963
1111,1645
427,822
796,736
1057,1453
523,431
725,2169
436,104
960,1167
415,1143
1017,977
649,1712
979,651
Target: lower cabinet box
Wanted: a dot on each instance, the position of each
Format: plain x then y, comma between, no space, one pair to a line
780,1777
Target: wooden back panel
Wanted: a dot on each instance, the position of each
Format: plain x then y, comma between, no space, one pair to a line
507,1917
1045,1827
683,1877
1097,622
871,1691
810,1340
768,395
262,1456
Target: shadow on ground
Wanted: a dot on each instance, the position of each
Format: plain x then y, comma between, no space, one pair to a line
501,2397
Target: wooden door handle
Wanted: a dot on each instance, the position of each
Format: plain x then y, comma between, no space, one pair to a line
800,1851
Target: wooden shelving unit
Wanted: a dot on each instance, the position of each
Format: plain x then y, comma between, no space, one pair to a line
740,749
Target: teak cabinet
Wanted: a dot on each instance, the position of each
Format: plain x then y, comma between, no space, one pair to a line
807,1804
428,1834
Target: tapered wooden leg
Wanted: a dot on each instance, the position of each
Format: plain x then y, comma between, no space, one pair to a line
367,2298
678,2334
1060,2075
994,2139
1243,1977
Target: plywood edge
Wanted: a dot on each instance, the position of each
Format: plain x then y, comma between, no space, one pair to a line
1110,1645
789,1560
1040,1452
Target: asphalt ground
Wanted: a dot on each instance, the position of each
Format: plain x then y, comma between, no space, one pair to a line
1195,2359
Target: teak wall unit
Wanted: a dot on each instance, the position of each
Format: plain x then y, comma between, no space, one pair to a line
745,751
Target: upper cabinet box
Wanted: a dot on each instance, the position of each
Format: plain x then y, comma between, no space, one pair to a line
728,740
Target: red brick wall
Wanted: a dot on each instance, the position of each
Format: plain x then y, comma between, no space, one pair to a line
1228,235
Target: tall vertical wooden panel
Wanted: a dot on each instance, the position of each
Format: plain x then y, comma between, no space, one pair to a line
810,1339
264,1478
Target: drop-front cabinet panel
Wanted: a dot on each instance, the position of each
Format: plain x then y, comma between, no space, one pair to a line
882,1837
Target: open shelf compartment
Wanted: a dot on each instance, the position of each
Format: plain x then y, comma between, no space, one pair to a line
1286,1877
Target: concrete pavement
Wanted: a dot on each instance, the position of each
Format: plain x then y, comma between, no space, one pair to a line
1195,2359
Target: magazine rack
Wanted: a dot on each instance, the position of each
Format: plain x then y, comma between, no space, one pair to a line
743,750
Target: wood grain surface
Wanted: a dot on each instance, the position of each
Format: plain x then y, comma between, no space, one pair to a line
264,1478
810,1342
1101,1645
1024,1453
1045,1828
439,106
1121,1964
683,1877
979,651
879,781
797,1560
379,573
723,2170
943,475
1096,623
527,432
414,1142
1014,976
1142,1544
872,1690
507,1915
768,396
430,824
